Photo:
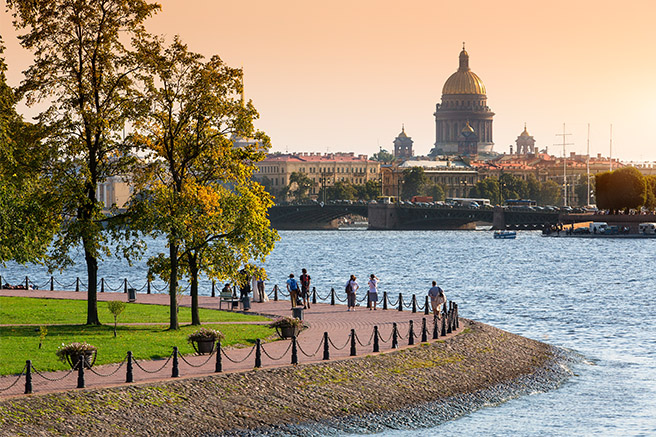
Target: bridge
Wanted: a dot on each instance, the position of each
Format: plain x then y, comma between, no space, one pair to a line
408,217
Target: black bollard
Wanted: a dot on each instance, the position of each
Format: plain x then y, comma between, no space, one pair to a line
77,284
436,328
28,377
368,300
258,353
424,330
129,377
218,367
125,285
376,345
384,300
448,323
175,372
411,334
456,316
395,336
275,293
102,285
443,325
400,302
444,310
52,283
353,351
147,286
332,296
326,347
27,283
294,350
80,371
314,295
426,308
414,303
213,288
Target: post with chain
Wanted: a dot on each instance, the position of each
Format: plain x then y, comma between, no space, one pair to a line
332,296
294,350
28,377
456,316
368,300
77,284
148,286
436,328
395,336
411,334
376,344
275,293
102,285
129,376
449,322
443,325
424,330
414,303
353,351
314,295
426,308
52,283
27,283
258,353
176,371
125,285
400,302
80,371
218,367
213,288
326,347
384,300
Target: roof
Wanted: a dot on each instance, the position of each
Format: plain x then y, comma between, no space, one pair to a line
316,157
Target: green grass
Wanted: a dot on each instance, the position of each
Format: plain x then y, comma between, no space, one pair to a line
63,320
23,310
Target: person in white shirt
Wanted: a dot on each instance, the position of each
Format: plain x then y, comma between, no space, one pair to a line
351,288
437,297
373,291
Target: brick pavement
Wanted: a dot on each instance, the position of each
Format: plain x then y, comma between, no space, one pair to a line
319,319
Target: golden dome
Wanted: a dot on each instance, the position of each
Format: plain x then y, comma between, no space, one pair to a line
464,81
525,133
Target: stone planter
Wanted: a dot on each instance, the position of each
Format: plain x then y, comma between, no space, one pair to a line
89,359
203,347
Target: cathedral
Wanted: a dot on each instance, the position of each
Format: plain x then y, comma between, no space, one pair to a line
463,108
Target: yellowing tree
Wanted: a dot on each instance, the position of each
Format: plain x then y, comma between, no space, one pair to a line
195,187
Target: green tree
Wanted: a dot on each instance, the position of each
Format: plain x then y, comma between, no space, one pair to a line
414,181
550,193
30,213
196,186
513,187
115,307
581,189
436,191
487,188
84,70
624,188
383,156
341,190
650,195
300,185
368,191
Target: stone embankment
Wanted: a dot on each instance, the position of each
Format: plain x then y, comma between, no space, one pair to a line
414,387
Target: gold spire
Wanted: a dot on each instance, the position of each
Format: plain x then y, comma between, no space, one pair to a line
464,81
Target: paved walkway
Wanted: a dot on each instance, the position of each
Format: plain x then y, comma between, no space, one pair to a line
334,320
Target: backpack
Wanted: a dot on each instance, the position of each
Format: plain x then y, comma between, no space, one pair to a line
349,288
293,285
305,280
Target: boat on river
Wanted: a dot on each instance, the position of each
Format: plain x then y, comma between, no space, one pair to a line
505,235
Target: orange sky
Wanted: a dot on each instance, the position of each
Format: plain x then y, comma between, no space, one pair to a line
344,75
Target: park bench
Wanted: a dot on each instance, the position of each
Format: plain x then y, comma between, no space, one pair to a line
229,297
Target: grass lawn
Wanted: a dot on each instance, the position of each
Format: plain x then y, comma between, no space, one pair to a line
22,310
20,343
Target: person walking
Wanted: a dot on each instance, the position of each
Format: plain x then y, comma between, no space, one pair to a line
437,297
373,291
244,291
260,290
292,288
351,288
305,288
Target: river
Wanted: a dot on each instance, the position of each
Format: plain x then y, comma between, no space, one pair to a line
594,297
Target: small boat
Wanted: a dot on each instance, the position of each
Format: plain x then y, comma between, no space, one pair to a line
505,235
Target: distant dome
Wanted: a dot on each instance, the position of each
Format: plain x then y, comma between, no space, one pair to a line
525,133
464,81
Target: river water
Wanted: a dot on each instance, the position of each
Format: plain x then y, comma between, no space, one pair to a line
594,297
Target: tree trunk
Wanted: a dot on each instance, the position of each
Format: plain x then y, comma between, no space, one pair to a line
173,286
92,296
193,268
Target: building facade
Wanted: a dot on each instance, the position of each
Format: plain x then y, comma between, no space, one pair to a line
455,176
464,100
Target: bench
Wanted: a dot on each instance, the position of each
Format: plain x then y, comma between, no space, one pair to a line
229,297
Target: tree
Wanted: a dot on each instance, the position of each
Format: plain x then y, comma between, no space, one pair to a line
84,70
650,195
512,187
300,185
368,191
550,193
414,180
436,191
115,307
196,185
487,188
624,188
29,212
383,156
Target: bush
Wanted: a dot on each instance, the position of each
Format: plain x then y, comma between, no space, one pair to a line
205,334
65,350
286,322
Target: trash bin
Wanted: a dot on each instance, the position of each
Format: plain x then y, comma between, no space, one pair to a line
297,312
132,294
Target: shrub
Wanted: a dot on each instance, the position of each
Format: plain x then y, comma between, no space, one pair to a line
205,334
286,322
76,348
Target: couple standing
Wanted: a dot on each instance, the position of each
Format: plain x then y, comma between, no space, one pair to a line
297,293
351,288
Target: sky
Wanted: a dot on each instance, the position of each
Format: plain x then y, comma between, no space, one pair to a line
346,75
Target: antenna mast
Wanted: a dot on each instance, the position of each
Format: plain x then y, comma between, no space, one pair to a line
587,164
564,135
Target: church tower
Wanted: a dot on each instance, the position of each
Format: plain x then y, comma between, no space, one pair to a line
467,141
464,102
403,145
525,143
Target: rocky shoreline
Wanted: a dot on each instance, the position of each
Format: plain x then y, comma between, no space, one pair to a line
410,388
